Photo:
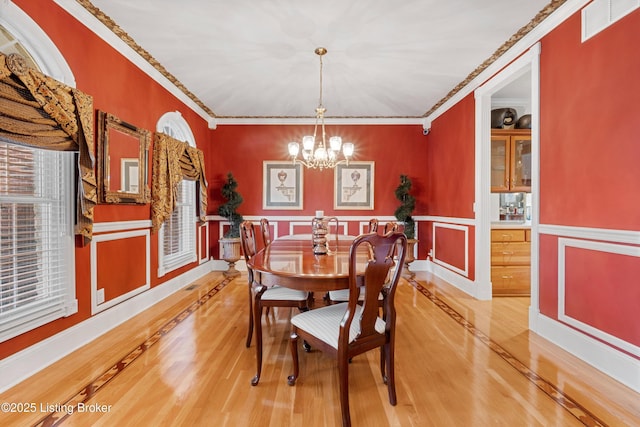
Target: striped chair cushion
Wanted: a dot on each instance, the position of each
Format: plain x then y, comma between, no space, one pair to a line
343,295
282,293
324,323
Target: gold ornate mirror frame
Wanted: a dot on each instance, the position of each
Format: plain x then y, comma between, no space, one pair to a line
122,161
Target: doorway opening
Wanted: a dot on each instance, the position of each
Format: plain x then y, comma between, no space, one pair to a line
522,75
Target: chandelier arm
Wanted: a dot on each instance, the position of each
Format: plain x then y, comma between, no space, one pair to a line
305,164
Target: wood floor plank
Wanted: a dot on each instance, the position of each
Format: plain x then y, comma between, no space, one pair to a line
459,362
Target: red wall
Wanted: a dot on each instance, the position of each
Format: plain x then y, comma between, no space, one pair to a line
241,149
589,123
450,168
450,172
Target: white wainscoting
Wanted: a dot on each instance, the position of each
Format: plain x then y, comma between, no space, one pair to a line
98,306
578,338
612,248
203,256
464,228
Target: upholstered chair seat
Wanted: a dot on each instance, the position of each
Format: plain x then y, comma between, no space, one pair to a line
324,323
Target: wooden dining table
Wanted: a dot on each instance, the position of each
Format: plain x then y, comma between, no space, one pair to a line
289,261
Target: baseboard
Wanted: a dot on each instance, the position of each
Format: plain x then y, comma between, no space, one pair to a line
22,365
460,282
614,363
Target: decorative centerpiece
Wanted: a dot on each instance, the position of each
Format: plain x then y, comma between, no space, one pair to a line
319,231
403,215
230,242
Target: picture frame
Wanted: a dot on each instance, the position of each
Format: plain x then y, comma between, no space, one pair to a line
122,157
354,186
282,185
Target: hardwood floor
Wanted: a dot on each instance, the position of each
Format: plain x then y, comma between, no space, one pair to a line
459,362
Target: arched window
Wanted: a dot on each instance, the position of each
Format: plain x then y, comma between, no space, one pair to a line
37,272
177,236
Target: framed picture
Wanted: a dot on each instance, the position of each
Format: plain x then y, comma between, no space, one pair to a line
353,187
282,185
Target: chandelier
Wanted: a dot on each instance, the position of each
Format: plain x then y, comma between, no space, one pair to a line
317,154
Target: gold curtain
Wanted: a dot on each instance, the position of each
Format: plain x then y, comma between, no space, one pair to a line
174,160
39,111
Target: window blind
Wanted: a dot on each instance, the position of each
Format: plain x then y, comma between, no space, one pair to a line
35,231
178,232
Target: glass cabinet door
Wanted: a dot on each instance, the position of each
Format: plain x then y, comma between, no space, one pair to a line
500,147
520,163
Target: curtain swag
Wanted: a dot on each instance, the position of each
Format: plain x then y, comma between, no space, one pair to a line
39,111
173,161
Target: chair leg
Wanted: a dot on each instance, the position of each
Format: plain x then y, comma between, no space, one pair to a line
293,343
383,362
250,332
343,373
257,315
391,377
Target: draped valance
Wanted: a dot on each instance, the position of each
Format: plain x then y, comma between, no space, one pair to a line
173,161
39,111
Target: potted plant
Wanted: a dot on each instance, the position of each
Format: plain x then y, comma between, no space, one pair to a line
230,242
403,215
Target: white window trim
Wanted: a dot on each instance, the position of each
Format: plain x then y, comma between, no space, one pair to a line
36,42
166,264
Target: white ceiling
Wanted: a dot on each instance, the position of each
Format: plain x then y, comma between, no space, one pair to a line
255,59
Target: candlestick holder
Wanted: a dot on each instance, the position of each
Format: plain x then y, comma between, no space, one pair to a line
319,231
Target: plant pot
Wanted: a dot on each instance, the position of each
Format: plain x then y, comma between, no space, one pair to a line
409,258
231,254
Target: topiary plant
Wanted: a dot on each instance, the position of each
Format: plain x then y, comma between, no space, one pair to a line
408,204
228,209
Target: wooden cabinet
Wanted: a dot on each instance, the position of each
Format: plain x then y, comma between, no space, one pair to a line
510,160
510,262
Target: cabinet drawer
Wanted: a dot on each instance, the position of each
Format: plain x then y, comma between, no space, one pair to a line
507,235
510,253
511,280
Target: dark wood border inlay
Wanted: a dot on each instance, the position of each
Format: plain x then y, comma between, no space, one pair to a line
89,390
580,412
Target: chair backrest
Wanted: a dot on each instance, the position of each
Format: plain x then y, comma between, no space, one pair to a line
390,227
382,249
329,220
248,239
266,231
373,225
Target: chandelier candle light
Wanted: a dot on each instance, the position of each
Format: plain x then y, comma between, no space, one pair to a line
319,156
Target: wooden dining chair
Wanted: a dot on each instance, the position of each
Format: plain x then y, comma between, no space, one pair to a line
265,230
261,296
348,329
342,295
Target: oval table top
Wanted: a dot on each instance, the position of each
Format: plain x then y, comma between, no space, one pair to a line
290,262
